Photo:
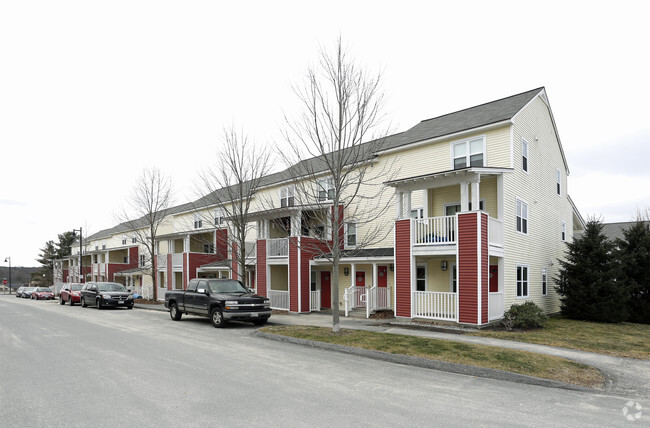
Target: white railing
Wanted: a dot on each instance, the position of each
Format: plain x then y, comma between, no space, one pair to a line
435,305
377,298
314,300
147,292
348,299
383,298
277,247
495,232
161,261
177,261
360,297
495,305
434,230
279,299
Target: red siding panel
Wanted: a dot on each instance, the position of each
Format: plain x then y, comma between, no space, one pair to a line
260,268
467,268
293,274
403,268
222,244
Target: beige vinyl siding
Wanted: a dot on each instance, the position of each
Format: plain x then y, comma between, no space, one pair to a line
546,210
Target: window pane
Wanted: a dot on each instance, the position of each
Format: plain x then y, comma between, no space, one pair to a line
476,146
460,150
460,163
476,160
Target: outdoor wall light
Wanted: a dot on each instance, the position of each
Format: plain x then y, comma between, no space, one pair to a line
443,265
392,267
346,271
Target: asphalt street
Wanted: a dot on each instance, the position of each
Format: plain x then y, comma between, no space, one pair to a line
73,366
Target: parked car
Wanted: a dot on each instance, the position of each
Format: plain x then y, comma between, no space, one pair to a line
27,292
219,299
70,292
103,294
19,292
42,293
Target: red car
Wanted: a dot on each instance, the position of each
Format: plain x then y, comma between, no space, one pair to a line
70,293
42,293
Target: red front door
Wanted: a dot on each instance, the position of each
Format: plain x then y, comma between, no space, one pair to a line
360,282
325,290
494,279
382,272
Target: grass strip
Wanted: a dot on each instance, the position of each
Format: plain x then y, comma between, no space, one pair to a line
622,340
526,363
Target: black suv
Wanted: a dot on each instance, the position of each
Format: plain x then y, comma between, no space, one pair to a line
103,294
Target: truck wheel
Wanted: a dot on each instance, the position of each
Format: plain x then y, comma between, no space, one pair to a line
217,318
174,312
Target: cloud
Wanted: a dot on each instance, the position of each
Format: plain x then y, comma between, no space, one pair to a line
10,202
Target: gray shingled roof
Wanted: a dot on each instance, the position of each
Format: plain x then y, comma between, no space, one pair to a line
615,230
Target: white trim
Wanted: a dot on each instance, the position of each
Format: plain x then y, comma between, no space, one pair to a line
544,280
541,91
457,135
512,142
522,265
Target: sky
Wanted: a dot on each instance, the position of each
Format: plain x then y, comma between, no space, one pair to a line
92,92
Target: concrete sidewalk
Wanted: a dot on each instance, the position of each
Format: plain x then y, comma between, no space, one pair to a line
626,376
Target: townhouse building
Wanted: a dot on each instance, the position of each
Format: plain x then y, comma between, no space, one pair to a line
478,216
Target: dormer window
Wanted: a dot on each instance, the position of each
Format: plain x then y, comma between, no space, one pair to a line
287,196
469,153
325,189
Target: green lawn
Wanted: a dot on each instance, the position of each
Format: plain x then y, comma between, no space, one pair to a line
622,340
527,363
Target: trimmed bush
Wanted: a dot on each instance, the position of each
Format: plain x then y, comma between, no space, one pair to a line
528,315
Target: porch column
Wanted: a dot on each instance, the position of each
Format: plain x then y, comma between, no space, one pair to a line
464,196
400,203
296,225
475,196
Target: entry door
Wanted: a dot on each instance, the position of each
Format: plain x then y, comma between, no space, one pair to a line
325,290
494,279
360,282
382,280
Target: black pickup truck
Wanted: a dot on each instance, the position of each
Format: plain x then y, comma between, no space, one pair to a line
221,300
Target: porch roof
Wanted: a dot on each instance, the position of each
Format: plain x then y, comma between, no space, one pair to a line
137,270
446,178
361,254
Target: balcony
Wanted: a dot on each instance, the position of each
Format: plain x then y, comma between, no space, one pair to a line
439,235
276,248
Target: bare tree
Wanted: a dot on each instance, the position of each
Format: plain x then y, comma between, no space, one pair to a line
230,188
149,203
331,149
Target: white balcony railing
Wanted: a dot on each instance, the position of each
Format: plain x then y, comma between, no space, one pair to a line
495,305
434,230
314,300
279,299
495,232
435,305
161,261
278,247
177,261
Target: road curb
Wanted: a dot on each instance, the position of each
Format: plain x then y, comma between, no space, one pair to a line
430,364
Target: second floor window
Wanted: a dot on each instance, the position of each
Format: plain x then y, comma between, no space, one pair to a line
142,260
218,218
468,153
325,189
208,248
522,217
134,239
123,240
198,222
524,155
287,197
351,234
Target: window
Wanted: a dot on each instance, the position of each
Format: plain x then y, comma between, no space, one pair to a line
126,259
208,248
522,281
123,239
104,245
522,217
421,278
198,222
544,282
287,196
452,209
453,286
218,218
564,231
417,212
325,189
468,153
134,239
351,234
558,177
142,260
524,155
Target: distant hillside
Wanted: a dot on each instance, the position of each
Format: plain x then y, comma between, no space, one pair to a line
19,275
